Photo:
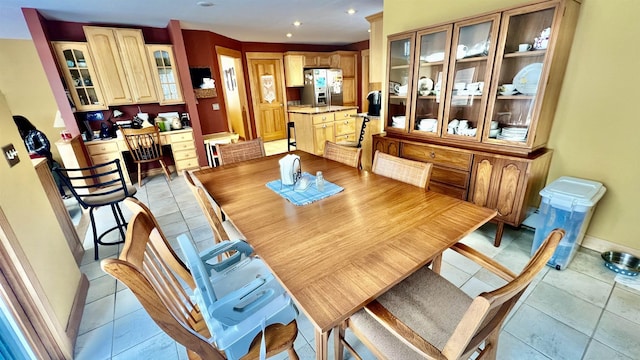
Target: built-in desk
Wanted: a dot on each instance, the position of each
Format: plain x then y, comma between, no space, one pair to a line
101,151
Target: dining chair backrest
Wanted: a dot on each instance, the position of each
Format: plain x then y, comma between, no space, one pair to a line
240,151
164,248
211,210
409,171
347,155
144,146
143,268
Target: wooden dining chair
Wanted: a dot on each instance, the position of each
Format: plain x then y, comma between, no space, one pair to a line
427,317
222,227
142,267
411,172
347,155
145,147
240,151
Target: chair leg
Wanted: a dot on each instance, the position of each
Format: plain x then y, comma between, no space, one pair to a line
121,224
139,175
293,355
166,169
95,234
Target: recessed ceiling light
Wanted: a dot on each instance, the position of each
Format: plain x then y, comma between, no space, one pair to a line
297,23
204,3
289,35
351,11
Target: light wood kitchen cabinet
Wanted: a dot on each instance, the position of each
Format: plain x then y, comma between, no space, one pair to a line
321,133
376,45
294,70
313,128
509,185
79,75
165,71
122,65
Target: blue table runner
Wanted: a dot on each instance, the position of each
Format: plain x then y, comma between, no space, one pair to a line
311,194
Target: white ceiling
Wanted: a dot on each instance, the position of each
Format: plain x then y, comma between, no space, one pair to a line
323,21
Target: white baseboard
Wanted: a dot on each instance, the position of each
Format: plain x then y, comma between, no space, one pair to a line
600,245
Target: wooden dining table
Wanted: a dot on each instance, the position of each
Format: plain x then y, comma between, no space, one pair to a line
335,255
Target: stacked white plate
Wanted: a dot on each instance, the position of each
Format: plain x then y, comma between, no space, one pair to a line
398,121
513,134
430,125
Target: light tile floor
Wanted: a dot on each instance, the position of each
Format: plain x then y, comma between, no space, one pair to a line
577,313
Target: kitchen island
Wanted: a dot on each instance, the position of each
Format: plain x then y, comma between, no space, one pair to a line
315,125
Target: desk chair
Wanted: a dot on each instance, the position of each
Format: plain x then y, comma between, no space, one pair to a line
411,172
343,154
152,280
145,147
240,151
96,186
425,316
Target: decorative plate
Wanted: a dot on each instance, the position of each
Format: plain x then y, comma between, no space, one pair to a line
425,84
526,81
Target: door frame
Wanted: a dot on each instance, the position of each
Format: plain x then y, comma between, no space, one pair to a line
255,94
242,87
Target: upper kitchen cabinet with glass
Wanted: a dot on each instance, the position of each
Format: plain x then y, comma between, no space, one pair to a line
531,60
166,74
431,73
472,54
79,75
400,75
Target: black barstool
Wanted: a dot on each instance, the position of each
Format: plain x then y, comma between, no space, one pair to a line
291,125
100,185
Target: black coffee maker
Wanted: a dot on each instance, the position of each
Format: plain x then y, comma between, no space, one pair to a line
375,99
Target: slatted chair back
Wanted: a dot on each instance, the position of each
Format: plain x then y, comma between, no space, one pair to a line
347,155
411,172
144,146
240,151
211,210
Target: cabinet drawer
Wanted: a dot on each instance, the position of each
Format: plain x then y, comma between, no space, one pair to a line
186,164
185,154
184,145
106,147
322,118
438,155
103,158
447,190
345,138
345,126
345,114
449,176
185,136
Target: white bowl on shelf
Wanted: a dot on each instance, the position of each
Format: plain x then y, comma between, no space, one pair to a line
494,132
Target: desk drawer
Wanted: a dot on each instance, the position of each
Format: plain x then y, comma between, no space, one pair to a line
103,158
185,154
345,126
446,157
185,136
184,145
106,147
186,164
322,118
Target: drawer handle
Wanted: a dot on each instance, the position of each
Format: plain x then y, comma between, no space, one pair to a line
346,122
324,126
432,155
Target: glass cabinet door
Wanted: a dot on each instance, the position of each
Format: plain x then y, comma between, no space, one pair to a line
400,74
518,77
79,75
432,55
472,54
166,77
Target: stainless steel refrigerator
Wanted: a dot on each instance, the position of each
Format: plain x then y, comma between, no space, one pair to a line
322,87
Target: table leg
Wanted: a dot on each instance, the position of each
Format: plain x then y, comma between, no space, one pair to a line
322,344
437,264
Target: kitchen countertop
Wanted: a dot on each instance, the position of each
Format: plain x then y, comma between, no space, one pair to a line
318,110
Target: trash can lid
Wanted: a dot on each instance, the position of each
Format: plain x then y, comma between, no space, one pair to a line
570,191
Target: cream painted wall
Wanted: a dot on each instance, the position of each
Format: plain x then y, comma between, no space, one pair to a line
595,133
32,219
26,88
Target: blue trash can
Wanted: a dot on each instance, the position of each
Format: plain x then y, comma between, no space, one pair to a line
567,203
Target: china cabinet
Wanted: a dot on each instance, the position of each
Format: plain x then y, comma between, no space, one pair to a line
79,74
166,74
122,65
477,98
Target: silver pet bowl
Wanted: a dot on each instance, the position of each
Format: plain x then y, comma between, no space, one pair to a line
622,263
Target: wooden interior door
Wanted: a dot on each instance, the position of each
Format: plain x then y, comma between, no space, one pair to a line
267,91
